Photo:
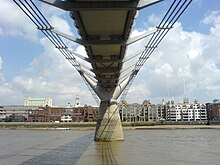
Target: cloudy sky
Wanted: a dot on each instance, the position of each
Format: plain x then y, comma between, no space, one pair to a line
186,63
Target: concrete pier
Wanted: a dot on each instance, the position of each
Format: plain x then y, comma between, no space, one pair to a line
109,126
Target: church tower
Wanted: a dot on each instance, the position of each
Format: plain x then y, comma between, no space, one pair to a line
77,101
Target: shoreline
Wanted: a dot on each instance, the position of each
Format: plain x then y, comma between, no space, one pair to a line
92,126
179,127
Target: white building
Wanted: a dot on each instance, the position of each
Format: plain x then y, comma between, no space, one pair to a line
186,111
41,102
66,117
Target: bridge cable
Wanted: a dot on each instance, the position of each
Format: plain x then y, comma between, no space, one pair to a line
172,15
34,14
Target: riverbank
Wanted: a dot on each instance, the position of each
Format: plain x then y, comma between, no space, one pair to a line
92,126
47,125
179,127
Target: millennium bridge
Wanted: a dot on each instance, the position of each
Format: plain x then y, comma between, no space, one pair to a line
104,27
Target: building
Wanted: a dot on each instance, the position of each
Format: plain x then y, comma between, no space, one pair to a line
170,111
45,114
173,111
139,112
40,102
37,115
15,113
91,113
2,114
77,101
66,116
185,111
55,113
130,112
78,114
213,110
63,114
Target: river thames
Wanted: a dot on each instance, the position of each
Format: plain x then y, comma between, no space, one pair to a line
141,147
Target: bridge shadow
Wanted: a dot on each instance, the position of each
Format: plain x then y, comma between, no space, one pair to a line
67,154
104,153
109,152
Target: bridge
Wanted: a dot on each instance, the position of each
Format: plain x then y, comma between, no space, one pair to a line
104,27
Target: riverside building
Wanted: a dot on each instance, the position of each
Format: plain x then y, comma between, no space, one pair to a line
169,111
63,114
185,111
213,110
139,112
15,113
40,102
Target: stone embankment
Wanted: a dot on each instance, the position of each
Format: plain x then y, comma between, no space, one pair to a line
92,125
180,127
47,125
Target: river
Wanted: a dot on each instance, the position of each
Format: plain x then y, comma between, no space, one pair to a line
141,147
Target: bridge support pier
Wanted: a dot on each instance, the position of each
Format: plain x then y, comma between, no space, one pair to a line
108,126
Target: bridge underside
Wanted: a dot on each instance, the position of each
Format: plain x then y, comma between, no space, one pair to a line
104,27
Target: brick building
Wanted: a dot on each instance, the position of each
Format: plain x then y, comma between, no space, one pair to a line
91,113
78,114
68,114
45,114
213,110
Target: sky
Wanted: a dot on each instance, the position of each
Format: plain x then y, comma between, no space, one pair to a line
185,64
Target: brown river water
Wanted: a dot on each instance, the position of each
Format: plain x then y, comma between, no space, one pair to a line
141,147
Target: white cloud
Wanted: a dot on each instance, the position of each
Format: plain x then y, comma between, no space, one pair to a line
1,75
51,74
50,10
16,23
153,19
141,91
211,18
60,24
165,69
1,63
182,56
214,19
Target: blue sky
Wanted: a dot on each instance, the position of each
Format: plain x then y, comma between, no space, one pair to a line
188,56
